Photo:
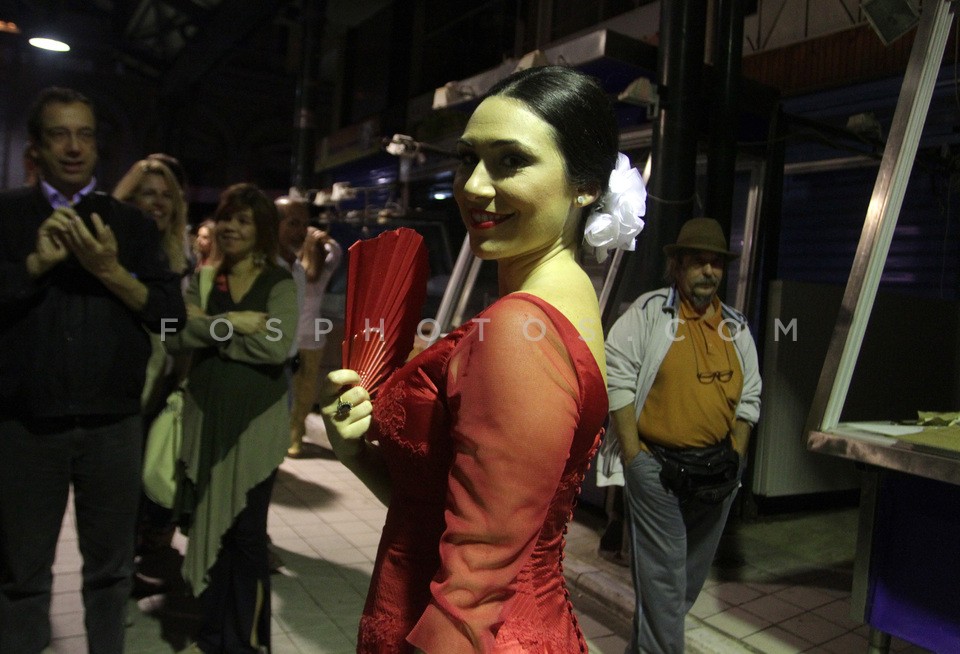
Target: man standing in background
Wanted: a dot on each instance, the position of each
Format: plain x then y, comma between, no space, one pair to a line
684,390
81,275
317,256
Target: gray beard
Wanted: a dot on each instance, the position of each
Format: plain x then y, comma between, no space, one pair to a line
700,302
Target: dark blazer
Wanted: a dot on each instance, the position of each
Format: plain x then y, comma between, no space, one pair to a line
68,346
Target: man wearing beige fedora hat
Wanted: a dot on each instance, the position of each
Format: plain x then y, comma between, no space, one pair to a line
684,390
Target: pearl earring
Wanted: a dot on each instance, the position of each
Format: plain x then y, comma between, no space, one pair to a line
580,200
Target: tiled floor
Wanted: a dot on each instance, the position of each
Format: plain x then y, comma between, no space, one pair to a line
778,585
325,526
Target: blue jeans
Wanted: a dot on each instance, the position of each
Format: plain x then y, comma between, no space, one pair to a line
38,464
673,546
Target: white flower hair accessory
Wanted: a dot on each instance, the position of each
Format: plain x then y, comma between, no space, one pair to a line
616,219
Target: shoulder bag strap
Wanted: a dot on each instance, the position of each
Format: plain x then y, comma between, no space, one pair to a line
205,283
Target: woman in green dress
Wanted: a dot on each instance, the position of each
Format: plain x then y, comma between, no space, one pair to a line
235,418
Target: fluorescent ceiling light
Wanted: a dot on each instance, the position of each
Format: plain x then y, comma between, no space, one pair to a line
49,44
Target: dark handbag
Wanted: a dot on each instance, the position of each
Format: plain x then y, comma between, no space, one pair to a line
706,474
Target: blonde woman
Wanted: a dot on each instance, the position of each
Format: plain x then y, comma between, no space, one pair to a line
151,186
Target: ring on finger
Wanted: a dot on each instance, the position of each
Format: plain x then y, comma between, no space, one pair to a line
343,408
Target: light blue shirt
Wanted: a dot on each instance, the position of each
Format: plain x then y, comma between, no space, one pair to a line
58,200
300,279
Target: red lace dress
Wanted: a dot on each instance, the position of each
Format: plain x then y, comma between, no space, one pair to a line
487,436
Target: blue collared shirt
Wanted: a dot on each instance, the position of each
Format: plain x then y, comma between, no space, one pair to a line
58,200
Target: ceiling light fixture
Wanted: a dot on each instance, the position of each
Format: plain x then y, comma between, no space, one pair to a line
643,93
47,43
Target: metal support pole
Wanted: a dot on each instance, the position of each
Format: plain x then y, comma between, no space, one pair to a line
722,153
766,245
672,188
305,124
674,174
455,288
879,642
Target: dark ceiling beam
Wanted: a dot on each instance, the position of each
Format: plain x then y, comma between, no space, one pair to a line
188,8
154,25
226,26
122,15
143,64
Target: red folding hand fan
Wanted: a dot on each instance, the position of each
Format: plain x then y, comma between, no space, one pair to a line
386,289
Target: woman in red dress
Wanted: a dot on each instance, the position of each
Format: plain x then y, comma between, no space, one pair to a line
479,444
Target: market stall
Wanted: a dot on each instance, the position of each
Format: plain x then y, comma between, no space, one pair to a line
906,569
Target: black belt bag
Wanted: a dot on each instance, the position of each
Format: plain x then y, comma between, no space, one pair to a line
706,474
